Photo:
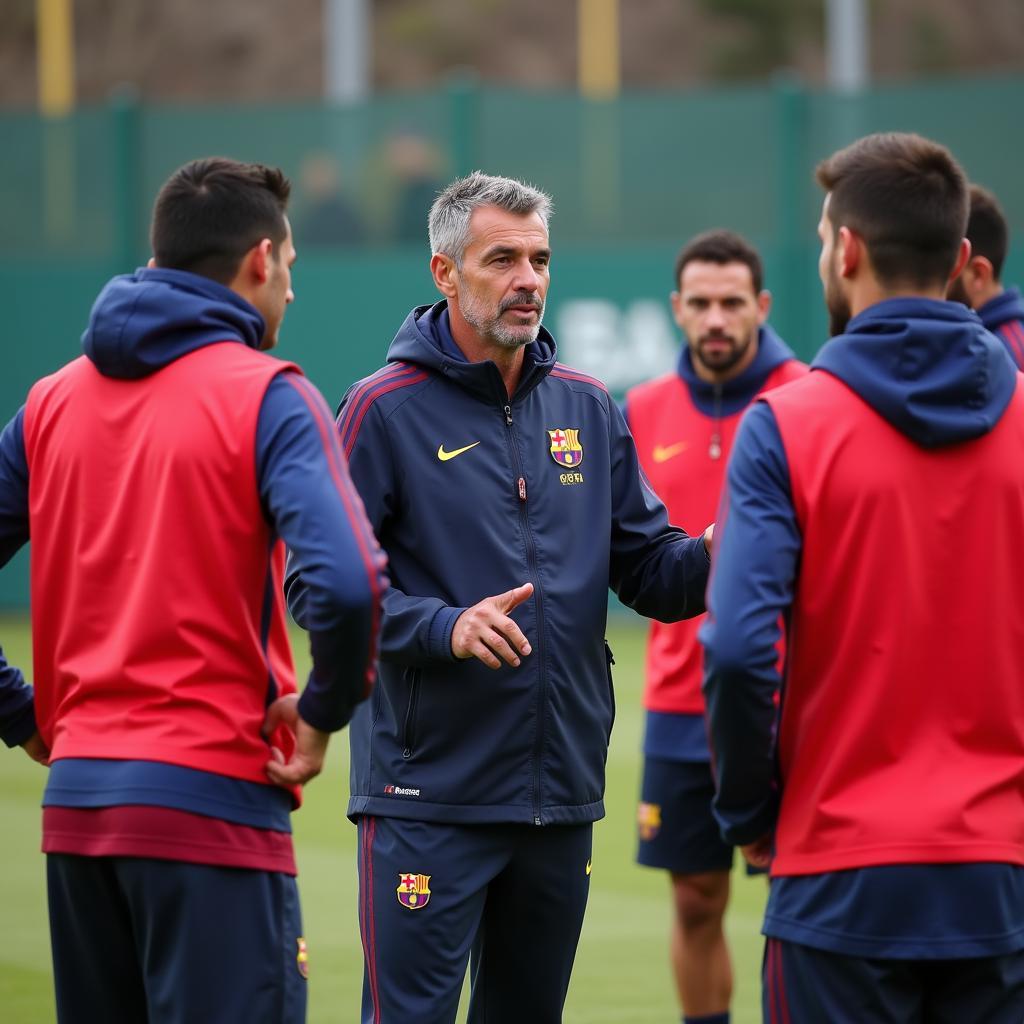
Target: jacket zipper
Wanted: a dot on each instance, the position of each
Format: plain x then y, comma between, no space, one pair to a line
531,561
408,737
715,447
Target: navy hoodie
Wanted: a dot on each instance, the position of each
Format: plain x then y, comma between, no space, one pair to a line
730,396
932,371
142,322
1004,317
471,494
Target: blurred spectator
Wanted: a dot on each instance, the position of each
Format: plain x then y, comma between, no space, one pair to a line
414,161
328,216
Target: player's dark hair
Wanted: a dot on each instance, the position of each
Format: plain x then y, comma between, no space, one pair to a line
987,229
906,197
212,211
720,246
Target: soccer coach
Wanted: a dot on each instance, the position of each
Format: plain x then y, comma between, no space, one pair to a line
506,490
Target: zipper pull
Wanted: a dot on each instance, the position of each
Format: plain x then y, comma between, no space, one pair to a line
522,489
508,415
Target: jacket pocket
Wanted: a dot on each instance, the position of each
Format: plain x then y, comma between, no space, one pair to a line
609,661
409,726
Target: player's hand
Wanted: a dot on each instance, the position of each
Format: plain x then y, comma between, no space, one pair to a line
758,854
709,536
37,749
486,632
307,761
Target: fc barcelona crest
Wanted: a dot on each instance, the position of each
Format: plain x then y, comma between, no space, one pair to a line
648,820
566,449
413,891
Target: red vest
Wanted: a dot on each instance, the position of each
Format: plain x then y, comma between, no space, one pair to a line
674,440
902,731
158,620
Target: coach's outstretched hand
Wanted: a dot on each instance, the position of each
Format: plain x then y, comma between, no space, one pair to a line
310,744
486,632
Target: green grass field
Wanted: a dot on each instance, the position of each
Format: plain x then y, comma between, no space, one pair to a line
621,974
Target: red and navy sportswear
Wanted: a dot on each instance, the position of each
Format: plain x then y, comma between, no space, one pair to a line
1004,317
684,427
878,506
158,476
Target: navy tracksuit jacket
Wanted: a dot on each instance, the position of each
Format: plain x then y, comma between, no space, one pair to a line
471,494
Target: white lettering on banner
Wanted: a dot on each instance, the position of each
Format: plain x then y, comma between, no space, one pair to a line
619,347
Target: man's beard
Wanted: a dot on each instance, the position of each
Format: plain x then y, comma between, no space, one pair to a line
839,313
493,328
725,362
956,292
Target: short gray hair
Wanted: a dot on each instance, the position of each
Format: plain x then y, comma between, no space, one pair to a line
450,214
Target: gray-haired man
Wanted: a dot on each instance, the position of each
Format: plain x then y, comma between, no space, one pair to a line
489,469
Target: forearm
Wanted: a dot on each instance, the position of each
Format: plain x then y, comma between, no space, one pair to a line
669,580
416,630
757,550
17,707
336,569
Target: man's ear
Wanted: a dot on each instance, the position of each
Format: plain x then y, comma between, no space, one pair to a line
151,262
442,269
979,266
764,305
256,262
850,251
262,257
978,273
675,300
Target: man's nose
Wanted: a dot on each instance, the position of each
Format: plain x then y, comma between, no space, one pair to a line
715,316
527,278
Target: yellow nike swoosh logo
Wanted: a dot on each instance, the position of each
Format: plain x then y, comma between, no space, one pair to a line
588,867
664,454
445,456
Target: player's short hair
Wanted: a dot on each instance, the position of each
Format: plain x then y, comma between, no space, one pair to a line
451,211
212,211
720,246
987,230
906,196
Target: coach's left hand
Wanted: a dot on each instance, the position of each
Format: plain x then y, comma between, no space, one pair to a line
310,744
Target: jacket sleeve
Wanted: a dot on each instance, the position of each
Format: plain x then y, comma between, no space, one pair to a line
13,488
656,569
17,710
414,631
309,499
17,713
757,548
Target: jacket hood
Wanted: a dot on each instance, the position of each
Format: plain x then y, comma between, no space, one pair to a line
141,322
928,367
735,394
1007,305
425,338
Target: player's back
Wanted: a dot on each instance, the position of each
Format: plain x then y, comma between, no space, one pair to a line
900,735
153,570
